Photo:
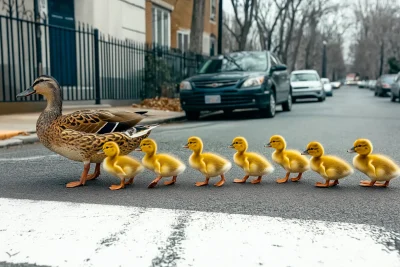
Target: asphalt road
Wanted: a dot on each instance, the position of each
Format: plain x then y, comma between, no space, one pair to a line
33,172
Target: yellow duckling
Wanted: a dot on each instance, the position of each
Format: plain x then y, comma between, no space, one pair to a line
163,165
124,167
209,164
252,163
376,167
291,160
331,168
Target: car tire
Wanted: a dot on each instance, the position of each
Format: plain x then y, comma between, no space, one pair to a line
321,99
270,110
287,106
192,115
393,98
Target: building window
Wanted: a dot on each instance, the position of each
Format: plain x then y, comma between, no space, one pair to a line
213,9
183,41
161,26
212,45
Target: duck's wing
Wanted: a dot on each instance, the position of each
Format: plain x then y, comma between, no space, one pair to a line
100,121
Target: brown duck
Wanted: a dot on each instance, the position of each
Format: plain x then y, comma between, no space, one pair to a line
80,136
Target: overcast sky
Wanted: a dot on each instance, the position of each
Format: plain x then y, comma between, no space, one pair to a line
228,8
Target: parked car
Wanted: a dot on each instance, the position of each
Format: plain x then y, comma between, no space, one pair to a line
395,90
306,84
384,84
371,85
327,86
362,84
239,80
336,84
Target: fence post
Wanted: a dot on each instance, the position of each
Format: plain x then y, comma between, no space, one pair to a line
97,67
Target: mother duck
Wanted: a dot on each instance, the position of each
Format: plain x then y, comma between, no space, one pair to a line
80,136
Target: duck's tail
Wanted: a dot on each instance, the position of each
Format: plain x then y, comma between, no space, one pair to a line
140,130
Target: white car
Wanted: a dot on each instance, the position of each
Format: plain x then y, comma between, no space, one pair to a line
327,86
306,84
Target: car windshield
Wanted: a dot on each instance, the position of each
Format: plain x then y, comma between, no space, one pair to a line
388,78
241,61
303,77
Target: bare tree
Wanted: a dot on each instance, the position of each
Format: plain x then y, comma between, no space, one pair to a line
197,28
245,7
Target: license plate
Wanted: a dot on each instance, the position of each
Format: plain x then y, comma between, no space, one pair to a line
212,99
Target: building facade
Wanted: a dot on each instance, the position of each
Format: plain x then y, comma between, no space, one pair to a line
168,23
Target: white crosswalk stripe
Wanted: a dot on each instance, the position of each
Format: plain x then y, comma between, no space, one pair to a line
71,234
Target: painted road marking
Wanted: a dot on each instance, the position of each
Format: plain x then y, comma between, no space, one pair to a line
28,158
72,234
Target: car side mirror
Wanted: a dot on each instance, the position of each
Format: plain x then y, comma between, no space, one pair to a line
279,67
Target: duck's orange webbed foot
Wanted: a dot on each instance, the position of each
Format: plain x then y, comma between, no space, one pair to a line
241,180
95,174
82,181
221,182
154,182
118,186
283,180
367,183
130,181
257,181
296,179
173,180
326,184
203,183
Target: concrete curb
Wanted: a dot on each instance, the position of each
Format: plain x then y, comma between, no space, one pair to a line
31,139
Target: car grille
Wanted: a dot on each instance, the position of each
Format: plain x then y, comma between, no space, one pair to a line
225,99
215,84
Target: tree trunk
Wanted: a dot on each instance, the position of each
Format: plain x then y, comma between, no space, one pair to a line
298,42
381,60
196,31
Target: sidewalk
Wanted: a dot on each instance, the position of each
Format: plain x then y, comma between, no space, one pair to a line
17,125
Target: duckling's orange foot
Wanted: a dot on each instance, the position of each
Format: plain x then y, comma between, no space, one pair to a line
282,180
296,179
74,184
385,184
335,183
241,180
170,182
256,181
221,182
367,183
154,182
117,186
318,184
130,181
201,183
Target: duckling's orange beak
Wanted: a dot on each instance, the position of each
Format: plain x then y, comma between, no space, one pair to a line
186,146
268,145
352,150
138,149
101,152
305,152
231,146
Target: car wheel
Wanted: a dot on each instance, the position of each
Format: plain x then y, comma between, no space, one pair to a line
270,110
321,99
192,115
287,106
393,98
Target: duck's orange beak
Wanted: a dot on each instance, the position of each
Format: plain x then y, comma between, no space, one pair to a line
186,146
268,145
138,149
231,146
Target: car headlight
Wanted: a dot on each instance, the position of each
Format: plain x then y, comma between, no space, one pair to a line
252,82
185,86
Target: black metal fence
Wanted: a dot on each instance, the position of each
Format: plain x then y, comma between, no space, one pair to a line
87,64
